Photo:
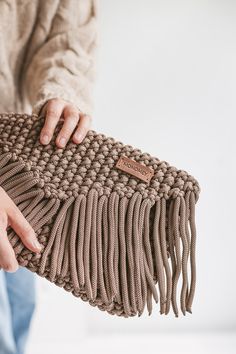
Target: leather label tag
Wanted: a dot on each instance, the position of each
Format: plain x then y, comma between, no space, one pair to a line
135,168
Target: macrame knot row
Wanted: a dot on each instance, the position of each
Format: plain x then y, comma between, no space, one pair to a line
69,171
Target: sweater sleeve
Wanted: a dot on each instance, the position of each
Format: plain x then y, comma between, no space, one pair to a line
64,65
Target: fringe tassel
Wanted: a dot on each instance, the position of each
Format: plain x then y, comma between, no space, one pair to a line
123,258
148,261
105,249
110,250
63,256
158,260
80,242
192,252
102,291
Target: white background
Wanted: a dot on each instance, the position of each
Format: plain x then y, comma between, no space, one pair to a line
166,84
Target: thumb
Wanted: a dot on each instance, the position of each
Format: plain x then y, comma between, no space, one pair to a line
22,227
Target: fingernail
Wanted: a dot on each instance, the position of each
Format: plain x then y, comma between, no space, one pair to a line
37,245
62,141
45,138
78,136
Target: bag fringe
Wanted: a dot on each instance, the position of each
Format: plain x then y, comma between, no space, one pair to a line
108,249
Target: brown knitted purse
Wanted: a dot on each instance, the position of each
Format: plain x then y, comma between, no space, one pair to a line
114,221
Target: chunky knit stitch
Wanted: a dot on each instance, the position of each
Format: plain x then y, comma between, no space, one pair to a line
108,236
47,50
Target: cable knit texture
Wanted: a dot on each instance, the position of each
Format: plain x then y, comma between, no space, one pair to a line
108,236
47,50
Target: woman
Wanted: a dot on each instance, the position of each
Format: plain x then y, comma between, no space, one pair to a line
46,67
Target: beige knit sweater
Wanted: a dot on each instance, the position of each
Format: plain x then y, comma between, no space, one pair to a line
47,50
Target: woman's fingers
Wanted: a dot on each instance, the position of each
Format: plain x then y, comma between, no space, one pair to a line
7,256
22,227
54,109
82,128
75,123
71,118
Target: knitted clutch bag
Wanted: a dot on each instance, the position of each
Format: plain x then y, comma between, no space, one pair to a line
116,224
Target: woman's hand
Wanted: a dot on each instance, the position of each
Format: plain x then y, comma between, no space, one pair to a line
11,215
76,123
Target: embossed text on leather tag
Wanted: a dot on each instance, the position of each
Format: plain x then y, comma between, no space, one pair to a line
135,168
